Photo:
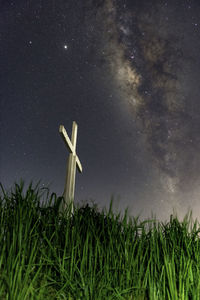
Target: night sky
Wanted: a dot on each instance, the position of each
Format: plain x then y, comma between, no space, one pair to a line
127,72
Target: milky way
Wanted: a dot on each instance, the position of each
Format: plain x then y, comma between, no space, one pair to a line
127,71
147,61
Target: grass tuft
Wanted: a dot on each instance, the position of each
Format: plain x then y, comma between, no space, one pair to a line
48,253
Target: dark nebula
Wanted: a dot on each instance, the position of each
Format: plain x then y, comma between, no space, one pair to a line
147,56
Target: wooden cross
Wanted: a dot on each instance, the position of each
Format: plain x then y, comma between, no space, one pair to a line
73,160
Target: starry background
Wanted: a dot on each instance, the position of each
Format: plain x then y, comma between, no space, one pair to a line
128,73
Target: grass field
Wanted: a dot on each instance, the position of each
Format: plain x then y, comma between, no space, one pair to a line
47,254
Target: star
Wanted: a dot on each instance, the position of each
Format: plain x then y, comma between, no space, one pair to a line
65,47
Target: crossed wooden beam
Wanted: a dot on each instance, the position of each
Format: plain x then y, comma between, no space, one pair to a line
73,161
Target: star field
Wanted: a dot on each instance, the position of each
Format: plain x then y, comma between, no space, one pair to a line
128,73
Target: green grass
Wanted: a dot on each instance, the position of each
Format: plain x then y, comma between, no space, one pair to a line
47,254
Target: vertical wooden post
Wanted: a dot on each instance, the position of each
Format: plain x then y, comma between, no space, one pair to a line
73,161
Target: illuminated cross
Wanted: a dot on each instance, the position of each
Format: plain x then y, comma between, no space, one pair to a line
73,160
